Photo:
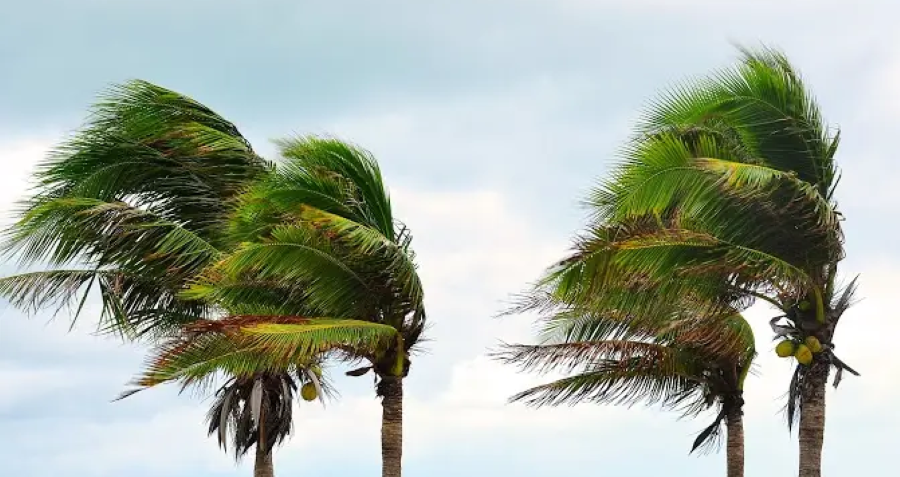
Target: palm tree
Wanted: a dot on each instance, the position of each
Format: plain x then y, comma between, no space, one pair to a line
732,179
323,269
135,205
673,357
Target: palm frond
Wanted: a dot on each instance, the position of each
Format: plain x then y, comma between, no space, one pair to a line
295,257
765,101
625,382
368,242
244,345
157,148
569,356
312,157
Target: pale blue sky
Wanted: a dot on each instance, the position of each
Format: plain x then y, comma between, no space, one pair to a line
490,119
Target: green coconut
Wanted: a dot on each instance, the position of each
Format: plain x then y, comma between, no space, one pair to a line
308,392
813,344
804,355
804,305
316,370
785,349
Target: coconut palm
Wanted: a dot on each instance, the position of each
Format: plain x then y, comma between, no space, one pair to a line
733,178
135,205
670,356
323,269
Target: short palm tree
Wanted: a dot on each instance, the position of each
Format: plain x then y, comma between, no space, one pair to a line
135,205
734,178
323,269
670,356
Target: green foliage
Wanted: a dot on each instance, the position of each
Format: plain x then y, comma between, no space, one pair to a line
138,205
138,196
243,346
315,238
724,196
676,360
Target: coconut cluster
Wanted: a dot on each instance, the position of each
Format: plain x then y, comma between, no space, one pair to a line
803,350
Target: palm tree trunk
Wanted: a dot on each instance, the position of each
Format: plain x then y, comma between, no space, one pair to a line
391,390
812,419
735,445
263,466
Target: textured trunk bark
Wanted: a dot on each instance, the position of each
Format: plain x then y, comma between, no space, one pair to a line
391,389
735,446
812,419
263,466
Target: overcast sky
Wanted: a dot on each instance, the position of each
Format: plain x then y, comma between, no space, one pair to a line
491,119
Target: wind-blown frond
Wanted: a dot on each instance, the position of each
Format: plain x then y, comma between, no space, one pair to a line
368,242
694,184
131,303
569,356
63,230
702,176
633,268
765,101
244,345
159,149
140,195
615,382
368,202
295,256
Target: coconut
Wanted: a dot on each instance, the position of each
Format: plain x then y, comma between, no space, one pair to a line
316,370
813,344
804,355
308,392
785,349
804,305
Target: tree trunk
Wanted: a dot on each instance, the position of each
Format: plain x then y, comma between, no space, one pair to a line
735,447
812,418
263,466
391,390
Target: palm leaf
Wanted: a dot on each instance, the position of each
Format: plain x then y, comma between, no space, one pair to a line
766,102
244,345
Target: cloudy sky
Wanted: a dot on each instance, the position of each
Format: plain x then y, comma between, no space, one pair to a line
491,119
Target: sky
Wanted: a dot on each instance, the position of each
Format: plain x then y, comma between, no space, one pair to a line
491,120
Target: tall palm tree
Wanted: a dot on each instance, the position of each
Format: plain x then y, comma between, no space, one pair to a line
734,177
135,205
323,269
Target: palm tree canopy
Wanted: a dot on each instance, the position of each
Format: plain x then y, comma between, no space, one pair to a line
734,173
134,204
674,359
322,268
